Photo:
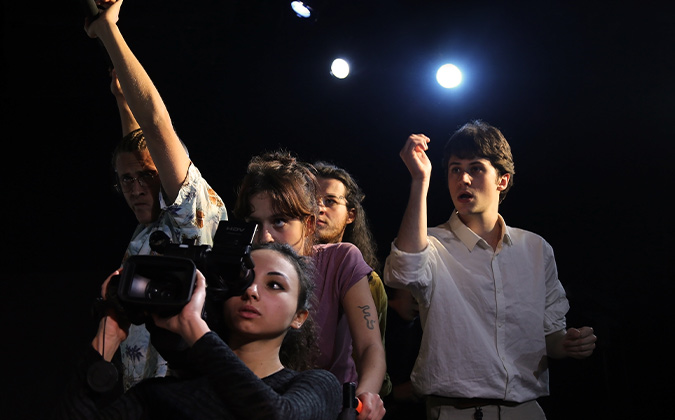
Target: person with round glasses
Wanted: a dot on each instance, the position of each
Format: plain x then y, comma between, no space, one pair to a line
154,173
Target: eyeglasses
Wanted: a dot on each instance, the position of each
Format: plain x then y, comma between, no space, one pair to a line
331,201
126,183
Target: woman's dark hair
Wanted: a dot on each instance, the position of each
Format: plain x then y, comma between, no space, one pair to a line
291,185
299,349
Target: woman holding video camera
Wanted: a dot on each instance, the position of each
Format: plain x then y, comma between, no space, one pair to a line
279,194
250,376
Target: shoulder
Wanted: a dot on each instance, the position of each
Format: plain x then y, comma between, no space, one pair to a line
320,380
195,182
339,251
525,236
441,237
329,383
337,248
529,242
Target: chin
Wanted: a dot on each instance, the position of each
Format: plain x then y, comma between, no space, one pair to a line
144,219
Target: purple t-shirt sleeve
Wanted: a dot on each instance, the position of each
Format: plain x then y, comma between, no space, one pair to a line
338,268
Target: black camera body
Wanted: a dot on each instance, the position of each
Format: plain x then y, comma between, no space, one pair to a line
163,284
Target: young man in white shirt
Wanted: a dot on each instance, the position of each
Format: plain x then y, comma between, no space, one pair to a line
491,304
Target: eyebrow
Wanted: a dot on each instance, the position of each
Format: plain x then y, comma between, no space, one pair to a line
286,279
472,162
277,273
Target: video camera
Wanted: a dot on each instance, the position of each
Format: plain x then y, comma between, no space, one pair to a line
163,284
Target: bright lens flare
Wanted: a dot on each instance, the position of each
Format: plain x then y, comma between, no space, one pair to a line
449,76
301,9
339,68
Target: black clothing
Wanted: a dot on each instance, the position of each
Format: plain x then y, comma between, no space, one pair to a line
222,388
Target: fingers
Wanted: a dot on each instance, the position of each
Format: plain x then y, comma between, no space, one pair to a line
199,294
585,332
414,156
109,12
191,311
416,143
373,406
104,286
580,343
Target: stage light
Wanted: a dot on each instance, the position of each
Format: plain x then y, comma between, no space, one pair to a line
339,68
449,76
302,9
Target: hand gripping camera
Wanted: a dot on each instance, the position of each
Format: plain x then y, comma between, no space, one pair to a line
163,284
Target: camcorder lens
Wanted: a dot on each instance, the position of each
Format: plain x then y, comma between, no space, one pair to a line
154,280
164,291
138,286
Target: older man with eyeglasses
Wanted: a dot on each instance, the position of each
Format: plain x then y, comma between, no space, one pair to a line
155,175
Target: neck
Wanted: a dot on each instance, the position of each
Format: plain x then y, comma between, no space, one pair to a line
261,356
485,225
332,240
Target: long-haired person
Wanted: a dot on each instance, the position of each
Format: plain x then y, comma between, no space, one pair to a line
279,193
254,373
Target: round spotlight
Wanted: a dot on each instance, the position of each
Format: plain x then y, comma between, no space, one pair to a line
449,76
339,68
301,9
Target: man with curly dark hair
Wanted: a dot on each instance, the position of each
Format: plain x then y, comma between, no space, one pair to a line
342,218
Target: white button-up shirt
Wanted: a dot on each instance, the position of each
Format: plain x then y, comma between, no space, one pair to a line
485,313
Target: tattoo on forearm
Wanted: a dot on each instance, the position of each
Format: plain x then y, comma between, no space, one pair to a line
370,323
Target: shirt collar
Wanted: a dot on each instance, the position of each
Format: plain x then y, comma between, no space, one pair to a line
470,239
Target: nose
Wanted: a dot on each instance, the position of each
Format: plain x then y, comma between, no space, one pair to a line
251,292
137,188
263,236
465,177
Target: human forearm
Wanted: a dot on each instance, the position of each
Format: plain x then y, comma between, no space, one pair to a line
144,102
371,367
140,93
108,338
127,118
554,347
193,330
412,234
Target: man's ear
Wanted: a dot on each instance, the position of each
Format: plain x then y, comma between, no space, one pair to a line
351,215
503,181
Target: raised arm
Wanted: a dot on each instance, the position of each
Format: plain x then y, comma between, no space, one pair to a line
127,118
412,235
144,101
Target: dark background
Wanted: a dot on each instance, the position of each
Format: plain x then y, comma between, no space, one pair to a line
583,91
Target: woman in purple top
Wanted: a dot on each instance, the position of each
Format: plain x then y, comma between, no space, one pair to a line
279,193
